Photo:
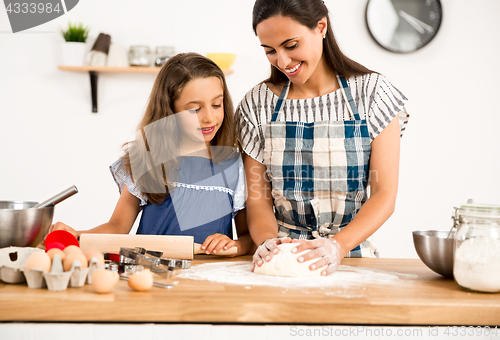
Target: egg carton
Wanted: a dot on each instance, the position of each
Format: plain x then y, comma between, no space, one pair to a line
57,279
12,261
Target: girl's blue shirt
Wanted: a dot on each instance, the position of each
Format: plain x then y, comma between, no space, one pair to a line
204,198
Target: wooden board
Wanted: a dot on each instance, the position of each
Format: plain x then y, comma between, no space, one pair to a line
426,299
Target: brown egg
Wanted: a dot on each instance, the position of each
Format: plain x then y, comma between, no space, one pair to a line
141,281
71,257
94,253
103,280
38,260
72,249
54,251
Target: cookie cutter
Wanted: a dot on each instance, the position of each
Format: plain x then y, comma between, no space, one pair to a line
130,260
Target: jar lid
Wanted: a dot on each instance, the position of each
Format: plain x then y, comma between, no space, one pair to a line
167,50
479,210
140,48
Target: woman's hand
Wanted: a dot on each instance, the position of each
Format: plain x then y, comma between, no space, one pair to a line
267,249
214,243
326,250
62,226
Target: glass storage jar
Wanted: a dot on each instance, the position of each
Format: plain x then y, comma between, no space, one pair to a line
139,55
163,53
477,247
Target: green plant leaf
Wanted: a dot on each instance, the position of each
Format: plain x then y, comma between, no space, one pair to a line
75,33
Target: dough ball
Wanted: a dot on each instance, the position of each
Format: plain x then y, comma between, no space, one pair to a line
285,263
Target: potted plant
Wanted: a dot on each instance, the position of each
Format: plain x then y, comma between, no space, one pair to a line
74,47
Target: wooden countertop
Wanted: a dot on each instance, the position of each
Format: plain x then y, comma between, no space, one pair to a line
427,299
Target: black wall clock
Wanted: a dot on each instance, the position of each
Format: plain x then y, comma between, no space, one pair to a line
403,26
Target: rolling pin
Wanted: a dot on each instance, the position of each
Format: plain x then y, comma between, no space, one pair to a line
176,247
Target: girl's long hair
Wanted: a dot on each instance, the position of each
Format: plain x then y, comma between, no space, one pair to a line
152,156
307,13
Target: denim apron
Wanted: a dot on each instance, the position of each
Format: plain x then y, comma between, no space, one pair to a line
319,172
200,204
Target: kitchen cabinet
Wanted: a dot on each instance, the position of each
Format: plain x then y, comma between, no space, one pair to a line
94,71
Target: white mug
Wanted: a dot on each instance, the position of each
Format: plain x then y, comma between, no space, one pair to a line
96,58
117,56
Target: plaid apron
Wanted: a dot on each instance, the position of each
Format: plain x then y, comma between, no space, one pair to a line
319,173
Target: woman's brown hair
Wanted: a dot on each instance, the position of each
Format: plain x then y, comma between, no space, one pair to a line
142,155
307,13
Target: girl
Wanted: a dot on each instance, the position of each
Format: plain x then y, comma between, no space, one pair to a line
183,169
312,134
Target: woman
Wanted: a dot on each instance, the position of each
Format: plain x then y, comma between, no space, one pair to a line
315,135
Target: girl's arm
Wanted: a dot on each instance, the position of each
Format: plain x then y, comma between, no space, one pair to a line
121,221
384,174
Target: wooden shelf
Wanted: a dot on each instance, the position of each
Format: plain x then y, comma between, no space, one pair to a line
137,69
131,69
94,70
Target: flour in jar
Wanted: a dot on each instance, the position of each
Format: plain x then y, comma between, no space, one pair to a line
477,264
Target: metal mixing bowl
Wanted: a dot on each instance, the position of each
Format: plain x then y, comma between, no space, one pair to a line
23,226
435,249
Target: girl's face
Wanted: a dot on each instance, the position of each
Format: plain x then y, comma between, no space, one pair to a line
292,47
200,110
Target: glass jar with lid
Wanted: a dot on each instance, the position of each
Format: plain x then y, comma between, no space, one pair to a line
476,264
139,55
163,53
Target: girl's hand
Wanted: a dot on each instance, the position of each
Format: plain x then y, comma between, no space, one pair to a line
62,226
326,250
267,249
214,243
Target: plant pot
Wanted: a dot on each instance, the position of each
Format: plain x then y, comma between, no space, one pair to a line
73,53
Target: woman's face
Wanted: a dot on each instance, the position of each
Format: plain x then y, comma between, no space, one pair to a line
292,47
200,110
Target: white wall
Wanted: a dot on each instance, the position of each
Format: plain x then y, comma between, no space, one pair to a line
49,139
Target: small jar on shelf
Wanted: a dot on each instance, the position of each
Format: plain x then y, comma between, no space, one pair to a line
139,55
163,53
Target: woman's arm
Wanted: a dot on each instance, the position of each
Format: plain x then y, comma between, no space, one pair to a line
262,223
121,221
259,204
383,176
244,242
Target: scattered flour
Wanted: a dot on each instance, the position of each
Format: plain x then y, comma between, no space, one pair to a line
477,264
240,273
